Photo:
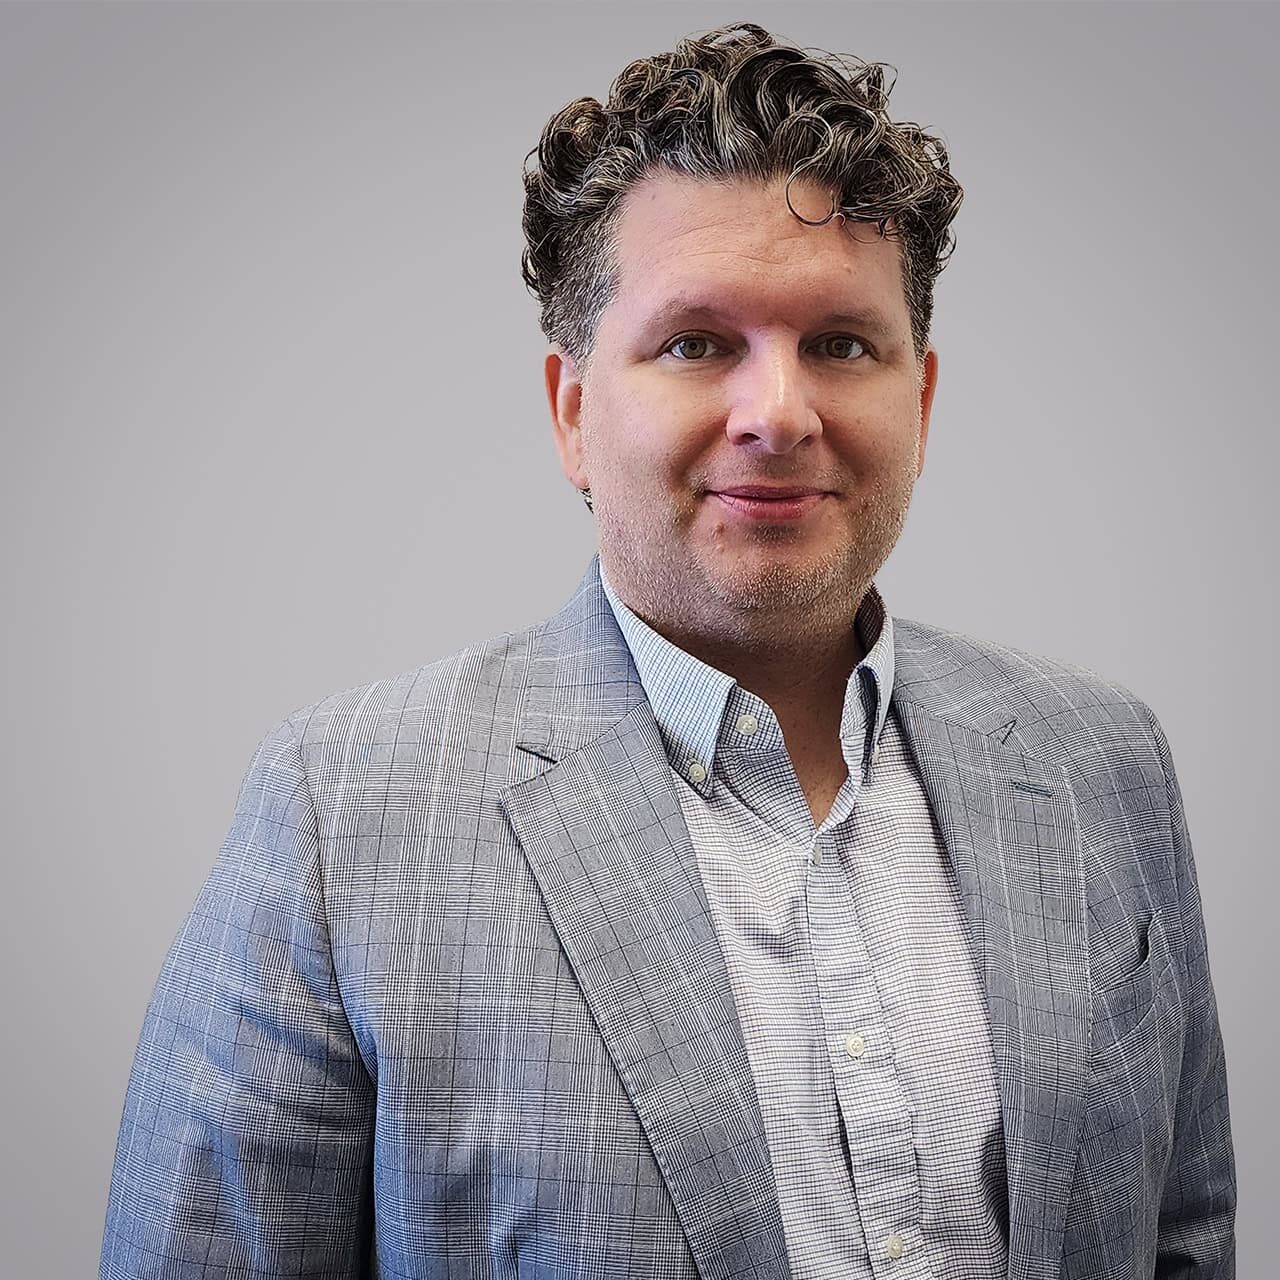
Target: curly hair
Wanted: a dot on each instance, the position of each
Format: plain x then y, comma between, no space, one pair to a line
733,103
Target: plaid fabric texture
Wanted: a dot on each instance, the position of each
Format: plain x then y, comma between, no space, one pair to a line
454,974
861,1007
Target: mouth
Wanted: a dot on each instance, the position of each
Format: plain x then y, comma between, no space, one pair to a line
770,502
769,492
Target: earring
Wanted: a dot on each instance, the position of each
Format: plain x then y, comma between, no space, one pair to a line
586,497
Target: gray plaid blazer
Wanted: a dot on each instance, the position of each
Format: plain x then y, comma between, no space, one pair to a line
453,975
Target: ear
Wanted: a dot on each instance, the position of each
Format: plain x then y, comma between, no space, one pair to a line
564,397
928,384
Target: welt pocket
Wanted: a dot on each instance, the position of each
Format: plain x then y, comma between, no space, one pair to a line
1123,1006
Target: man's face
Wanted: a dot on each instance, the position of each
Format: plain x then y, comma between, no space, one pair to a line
745,350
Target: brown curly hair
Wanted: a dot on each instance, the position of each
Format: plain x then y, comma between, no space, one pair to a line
732,103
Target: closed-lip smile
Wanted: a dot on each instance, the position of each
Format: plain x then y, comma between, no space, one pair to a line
771,503
768,492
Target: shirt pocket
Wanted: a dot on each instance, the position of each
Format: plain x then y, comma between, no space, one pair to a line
1125,1012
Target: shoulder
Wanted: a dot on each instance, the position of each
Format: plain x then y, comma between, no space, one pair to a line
472,697
1045,706
1104,738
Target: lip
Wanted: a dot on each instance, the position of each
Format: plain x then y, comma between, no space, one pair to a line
758,502
772,492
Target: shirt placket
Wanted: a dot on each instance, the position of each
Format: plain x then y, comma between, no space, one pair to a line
873,1104
811,1182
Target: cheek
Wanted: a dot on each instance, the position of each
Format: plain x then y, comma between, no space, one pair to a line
650,456
881,433
668,423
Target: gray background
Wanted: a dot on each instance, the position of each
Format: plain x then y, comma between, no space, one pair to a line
273,426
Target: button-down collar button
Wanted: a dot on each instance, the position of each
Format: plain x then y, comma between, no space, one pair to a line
894,1247
875,753
697,773
747,724
854,1045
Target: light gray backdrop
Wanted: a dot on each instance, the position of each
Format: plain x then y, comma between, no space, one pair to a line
273,425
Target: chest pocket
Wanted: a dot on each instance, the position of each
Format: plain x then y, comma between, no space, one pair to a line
1127,1131
1125,1011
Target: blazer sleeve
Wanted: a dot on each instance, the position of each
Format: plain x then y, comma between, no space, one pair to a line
1196,1233
245,1147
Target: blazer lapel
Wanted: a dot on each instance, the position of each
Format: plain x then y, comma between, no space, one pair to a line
603,833
1010,829
601,827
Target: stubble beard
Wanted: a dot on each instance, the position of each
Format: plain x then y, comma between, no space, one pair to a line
683,589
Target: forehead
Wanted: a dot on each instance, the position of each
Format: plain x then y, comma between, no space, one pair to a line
736,245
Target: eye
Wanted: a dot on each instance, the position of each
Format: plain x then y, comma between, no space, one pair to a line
843,347
695,339
844,353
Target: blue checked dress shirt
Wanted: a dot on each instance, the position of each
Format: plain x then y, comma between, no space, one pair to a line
861,1007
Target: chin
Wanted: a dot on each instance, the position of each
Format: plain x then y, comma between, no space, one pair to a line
772,582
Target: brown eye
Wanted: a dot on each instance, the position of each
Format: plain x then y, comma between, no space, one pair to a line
835,344
699,343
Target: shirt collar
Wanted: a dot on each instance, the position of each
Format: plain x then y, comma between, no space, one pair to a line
699,709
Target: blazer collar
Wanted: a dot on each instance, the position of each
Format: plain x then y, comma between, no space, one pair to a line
602,829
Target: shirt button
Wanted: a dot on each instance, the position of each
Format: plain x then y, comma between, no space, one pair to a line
894,1247
855,1046
697,773
747,724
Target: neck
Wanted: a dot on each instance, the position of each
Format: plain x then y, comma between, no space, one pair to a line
805,688
800,671
796,656
795,672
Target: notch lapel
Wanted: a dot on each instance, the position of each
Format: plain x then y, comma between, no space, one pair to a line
605,838
601,827
1011,831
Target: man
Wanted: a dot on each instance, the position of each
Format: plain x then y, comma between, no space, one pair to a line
723,925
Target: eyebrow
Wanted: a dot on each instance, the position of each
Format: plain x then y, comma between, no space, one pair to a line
680,310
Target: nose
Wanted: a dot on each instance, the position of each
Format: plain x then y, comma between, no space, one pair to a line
770,402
